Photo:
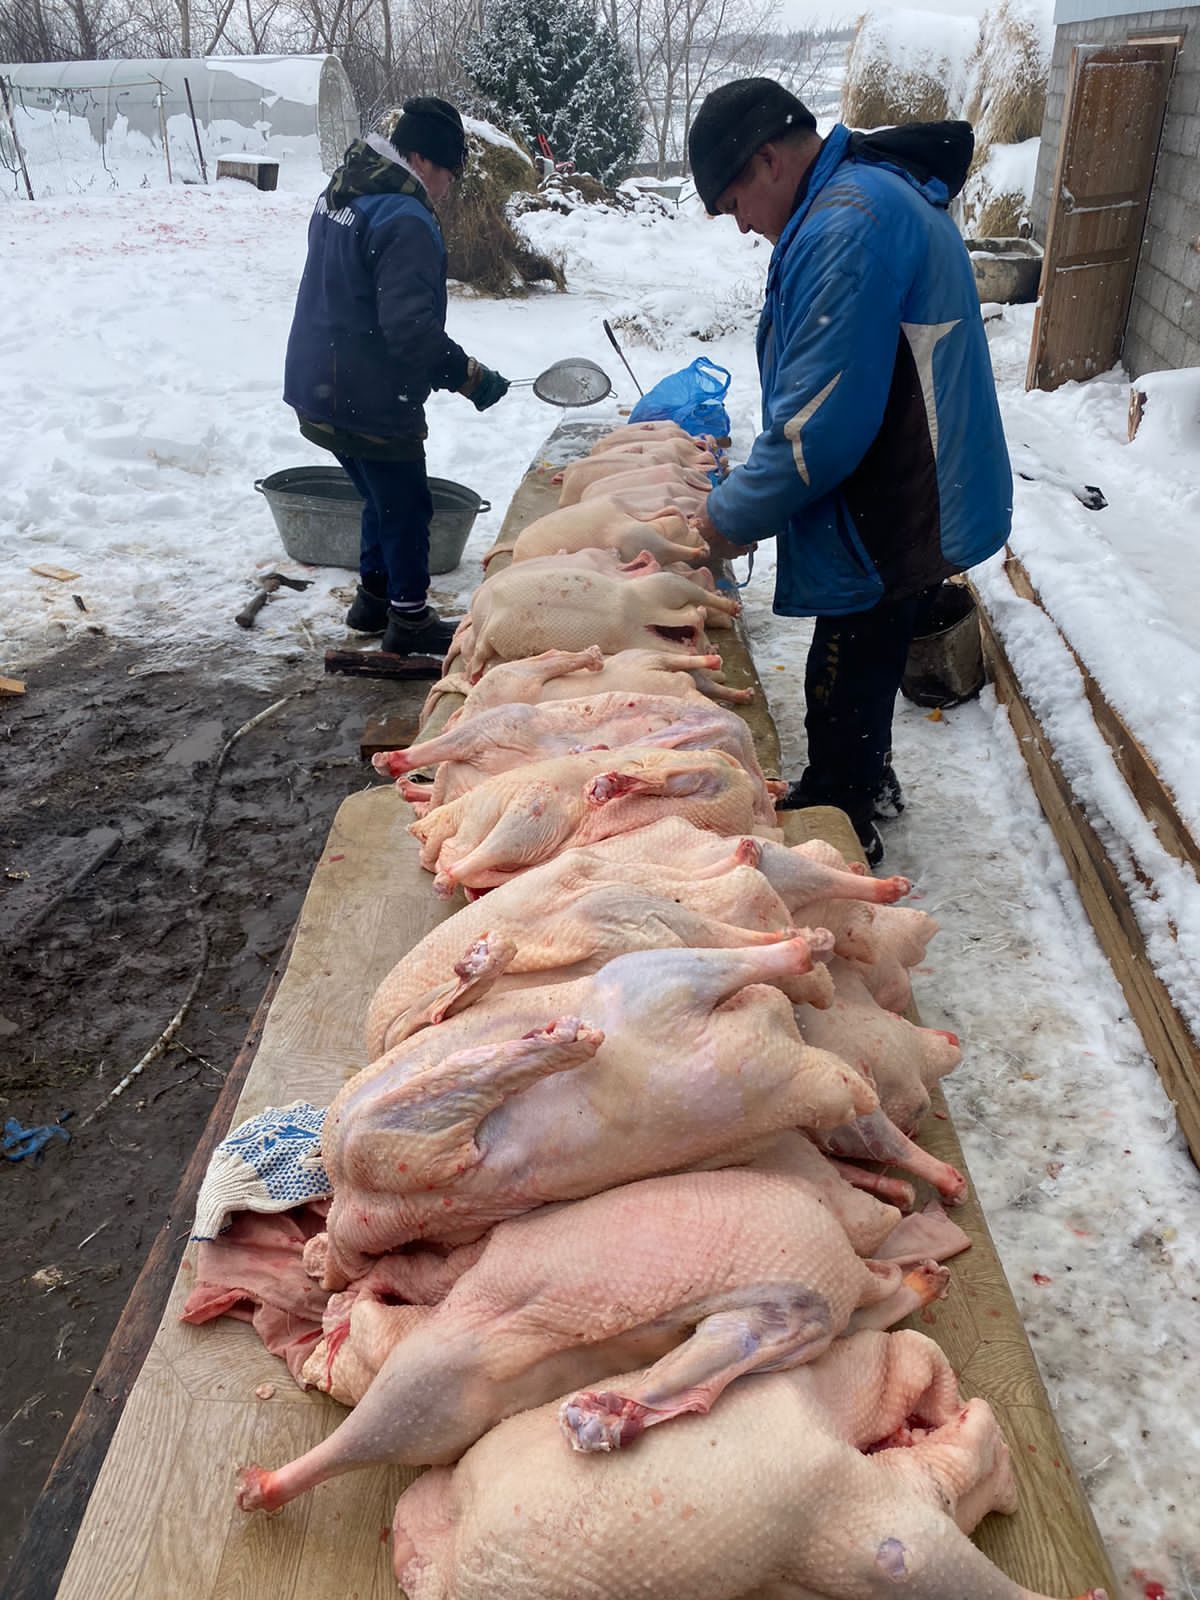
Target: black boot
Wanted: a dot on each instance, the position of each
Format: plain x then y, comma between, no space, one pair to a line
888,800
868,837
417,633
369,613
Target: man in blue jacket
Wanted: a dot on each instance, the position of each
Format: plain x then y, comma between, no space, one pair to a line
369,343
882,465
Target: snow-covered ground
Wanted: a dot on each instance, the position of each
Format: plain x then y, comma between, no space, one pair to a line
143,337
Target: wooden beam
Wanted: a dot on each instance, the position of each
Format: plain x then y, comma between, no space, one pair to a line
377,664
1168,1040
1133,762
394,730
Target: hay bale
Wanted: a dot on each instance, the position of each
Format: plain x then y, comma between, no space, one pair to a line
1006,99
999,189
906,66
482,248
1007,74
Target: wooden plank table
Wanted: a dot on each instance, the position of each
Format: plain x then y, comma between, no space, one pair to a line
161,1522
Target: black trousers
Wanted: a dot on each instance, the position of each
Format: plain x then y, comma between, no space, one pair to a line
397,510
851,681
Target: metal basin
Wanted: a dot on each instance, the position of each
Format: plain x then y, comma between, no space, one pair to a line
1007,271
318,512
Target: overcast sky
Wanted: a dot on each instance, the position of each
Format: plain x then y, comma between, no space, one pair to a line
805,13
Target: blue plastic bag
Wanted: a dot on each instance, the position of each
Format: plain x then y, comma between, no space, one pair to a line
691,397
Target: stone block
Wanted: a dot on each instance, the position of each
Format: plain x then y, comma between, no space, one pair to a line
1173,260
1158,331
1171,141
1185,92
1175,173
1152,287
1174,211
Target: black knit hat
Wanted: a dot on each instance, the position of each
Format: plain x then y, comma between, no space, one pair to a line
432,128
734,121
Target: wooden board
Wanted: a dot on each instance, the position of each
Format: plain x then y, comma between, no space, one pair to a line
261,171
161,1524
1111,125
42,1555
1171,1046
161,1521
1052,1545
1156,801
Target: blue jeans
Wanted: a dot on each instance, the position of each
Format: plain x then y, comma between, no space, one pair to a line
397,510
854,669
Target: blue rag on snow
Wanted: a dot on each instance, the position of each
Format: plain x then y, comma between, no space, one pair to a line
270,1163
20,1142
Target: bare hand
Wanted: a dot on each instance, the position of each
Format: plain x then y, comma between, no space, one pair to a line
719,547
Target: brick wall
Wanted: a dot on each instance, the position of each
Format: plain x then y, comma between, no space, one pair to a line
1164,318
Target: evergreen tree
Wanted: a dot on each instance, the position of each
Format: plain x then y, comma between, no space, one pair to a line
553,67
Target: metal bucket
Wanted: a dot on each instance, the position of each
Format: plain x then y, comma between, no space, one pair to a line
318,512
945,659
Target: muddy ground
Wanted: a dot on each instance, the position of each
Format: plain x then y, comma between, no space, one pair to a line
106,883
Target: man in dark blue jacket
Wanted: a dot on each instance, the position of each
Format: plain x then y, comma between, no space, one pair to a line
882,466
369,343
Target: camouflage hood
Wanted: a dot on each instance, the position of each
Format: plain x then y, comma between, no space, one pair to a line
372,166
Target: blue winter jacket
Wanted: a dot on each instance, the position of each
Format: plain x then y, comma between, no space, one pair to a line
882,464
368,339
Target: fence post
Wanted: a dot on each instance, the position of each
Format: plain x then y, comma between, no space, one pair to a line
162,123
192,112
12,128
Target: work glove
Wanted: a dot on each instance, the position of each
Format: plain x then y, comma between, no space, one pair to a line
484,387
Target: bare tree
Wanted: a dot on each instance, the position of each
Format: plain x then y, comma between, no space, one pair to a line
683,48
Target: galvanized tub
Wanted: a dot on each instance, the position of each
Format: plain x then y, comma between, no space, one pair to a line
945,659
318,512
1007,271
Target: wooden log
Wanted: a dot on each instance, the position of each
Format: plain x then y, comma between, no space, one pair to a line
375,664
1105,899
12,686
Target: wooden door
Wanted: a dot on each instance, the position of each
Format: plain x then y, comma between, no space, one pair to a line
1112,122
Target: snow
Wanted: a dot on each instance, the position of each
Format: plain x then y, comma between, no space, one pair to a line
279,77
490,134
1168,440
143,336
1010,168
929,43
93,127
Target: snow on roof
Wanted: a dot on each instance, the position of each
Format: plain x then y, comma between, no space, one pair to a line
288,77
